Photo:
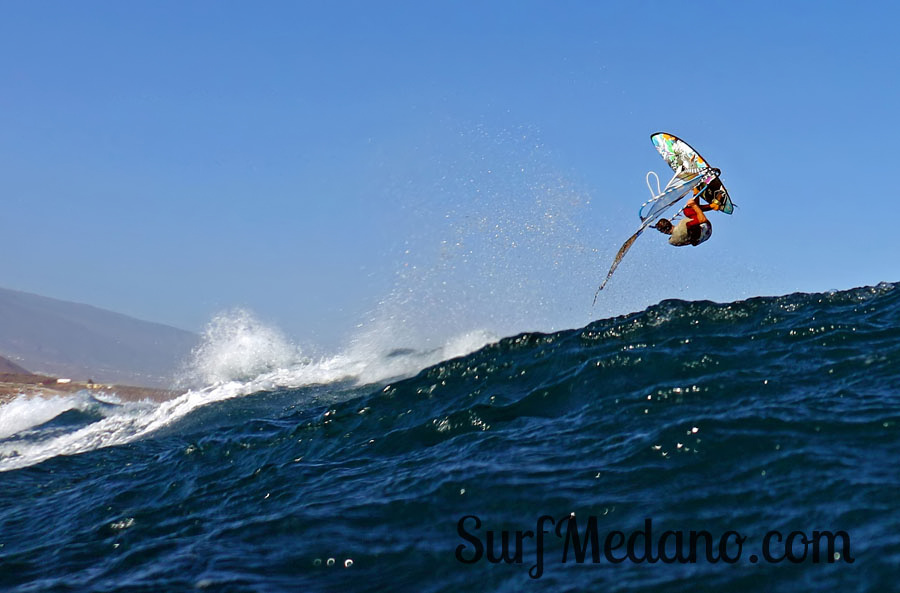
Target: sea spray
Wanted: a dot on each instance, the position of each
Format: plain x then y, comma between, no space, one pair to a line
236,346
494,238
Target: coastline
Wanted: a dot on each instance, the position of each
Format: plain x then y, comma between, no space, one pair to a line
12,385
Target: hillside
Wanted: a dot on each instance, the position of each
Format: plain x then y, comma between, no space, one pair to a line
8,367
83,342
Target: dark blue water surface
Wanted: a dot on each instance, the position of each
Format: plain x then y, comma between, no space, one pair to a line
775,413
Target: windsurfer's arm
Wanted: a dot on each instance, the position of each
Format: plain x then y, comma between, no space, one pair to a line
698,210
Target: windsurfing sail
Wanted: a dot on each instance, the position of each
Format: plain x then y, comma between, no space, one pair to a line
692,175
659,205
687,162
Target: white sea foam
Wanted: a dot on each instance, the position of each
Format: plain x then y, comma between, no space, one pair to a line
239,350
239,355
26,412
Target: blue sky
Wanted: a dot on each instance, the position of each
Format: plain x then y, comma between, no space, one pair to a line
448,165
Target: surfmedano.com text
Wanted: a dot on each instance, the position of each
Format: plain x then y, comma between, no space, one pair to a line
583,543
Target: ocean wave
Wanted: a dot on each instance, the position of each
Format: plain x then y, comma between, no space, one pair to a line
768,413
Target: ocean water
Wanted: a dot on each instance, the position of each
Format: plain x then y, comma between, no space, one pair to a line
767,427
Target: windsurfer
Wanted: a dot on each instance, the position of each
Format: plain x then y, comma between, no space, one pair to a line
694,229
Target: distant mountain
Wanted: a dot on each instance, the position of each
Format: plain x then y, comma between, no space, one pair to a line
10,368
83,342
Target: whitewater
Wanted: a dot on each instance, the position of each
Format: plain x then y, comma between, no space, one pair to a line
391,470
238,356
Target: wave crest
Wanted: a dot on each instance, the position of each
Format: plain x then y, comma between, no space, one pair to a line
236,346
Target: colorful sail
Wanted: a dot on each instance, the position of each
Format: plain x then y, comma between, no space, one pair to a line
687,162
683,159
